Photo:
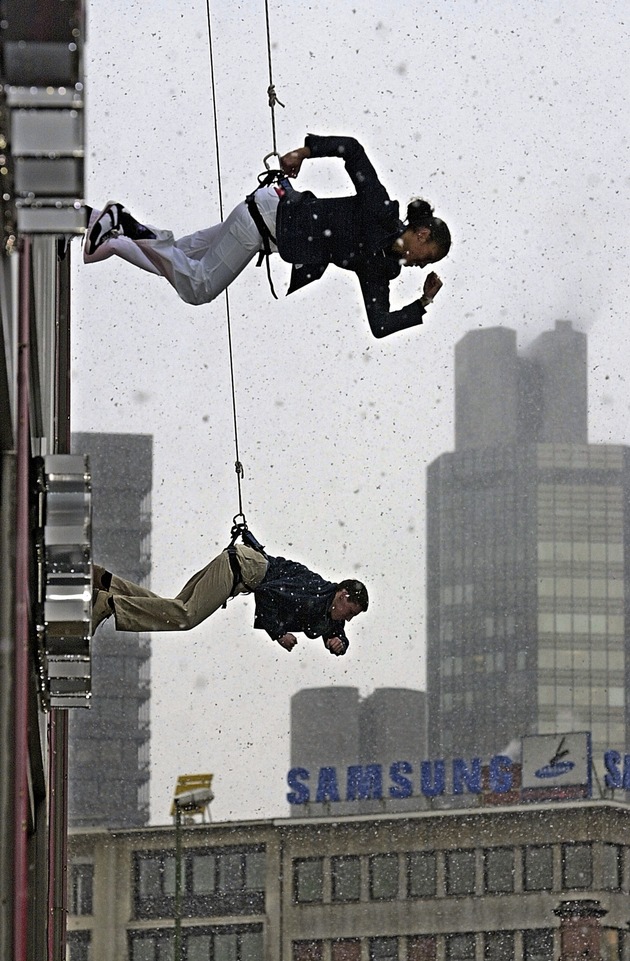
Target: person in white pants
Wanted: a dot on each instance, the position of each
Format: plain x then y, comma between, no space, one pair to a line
361,233
199,266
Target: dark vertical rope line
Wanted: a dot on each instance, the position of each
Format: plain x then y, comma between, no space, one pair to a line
238,467
271,91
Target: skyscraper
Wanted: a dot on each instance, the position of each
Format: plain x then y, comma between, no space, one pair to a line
527,554
109,743
335,727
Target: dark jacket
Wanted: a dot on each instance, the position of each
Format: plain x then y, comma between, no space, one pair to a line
293,599
355,233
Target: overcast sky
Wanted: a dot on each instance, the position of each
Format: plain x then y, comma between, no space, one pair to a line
511,118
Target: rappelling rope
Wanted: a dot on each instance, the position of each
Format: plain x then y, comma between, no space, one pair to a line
273,100
238,467
271,90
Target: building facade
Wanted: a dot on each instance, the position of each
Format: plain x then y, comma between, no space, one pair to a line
528,539
41,202
109,744
465,885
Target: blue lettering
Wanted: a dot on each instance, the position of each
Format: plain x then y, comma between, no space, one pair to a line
401,786
365,783
464,778
432,778
612,760
327,787
300,793
500,776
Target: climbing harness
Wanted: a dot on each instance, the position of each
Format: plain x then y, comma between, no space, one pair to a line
266,180
240,529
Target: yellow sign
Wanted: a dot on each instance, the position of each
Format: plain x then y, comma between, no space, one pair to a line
193,793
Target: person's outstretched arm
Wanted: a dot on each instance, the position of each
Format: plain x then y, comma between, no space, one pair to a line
382,320
348,149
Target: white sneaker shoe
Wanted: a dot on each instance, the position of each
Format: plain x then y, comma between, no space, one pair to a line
106,226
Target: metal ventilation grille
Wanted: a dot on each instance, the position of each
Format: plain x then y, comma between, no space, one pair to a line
42,142
64,607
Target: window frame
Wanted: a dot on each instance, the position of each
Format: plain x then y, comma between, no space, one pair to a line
385,858
450,855
537,847
297,863
573,847
344,859
417,856
488,854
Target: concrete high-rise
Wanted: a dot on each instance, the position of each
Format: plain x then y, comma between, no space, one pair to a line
528,554
109,744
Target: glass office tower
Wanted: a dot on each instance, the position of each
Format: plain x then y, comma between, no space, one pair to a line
527,544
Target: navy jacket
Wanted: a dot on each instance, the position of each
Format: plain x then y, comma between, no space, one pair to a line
293,599
355,233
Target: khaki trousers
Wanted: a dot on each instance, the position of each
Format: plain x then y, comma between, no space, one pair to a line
138,609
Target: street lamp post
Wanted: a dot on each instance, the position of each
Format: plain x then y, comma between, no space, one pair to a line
178,882
193,795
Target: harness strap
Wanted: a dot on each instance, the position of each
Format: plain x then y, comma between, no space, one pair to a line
237,577
265,234
240,530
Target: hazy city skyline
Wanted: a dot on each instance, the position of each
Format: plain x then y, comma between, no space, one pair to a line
510,121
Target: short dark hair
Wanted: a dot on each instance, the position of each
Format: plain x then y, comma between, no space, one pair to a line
356,591
420,214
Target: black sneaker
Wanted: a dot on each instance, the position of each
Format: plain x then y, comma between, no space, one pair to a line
105,227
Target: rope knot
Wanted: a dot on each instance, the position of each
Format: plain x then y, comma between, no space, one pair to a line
273,97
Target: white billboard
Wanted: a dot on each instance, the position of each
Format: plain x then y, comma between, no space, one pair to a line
557,765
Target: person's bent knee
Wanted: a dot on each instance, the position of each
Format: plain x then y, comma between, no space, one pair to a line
195,297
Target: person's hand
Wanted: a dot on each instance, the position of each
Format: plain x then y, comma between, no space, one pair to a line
335,645
292,162
432,286
287,641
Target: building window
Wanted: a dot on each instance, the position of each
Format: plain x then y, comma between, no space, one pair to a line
538,868
78,945
229,943
499,870
346,878
577,869
308,950
383,949
384,877
156,875
421,874
203,873
308,880
421,948
224,881
498,946
612,867
153,946
460,872
80,888
460,947
538,945
345,949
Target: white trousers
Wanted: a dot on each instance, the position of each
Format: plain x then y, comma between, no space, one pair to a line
201,265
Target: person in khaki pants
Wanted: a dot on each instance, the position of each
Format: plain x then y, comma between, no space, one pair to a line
289,597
